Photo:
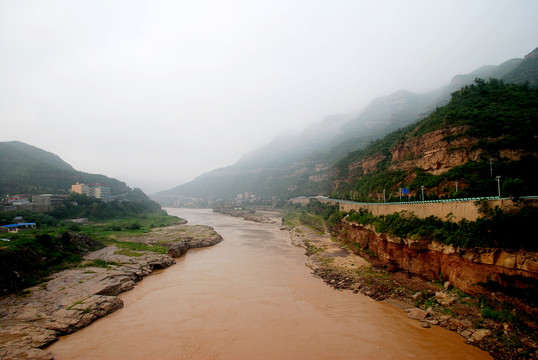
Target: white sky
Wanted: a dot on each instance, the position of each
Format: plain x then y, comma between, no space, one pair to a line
155,93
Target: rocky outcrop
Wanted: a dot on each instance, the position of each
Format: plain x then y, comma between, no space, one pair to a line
366,166
434,152
180,238
490,272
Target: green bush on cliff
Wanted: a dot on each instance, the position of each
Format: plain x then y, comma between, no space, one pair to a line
331,216
498,230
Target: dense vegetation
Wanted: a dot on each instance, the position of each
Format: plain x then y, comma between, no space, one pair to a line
497,229
504,115
498,116
320,216
133,203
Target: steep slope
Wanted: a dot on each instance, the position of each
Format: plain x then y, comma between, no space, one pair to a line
28,169
487,124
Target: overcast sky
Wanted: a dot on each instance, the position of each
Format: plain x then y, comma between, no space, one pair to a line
155,93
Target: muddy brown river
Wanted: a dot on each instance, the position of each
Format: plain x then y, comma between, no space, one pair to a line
252,297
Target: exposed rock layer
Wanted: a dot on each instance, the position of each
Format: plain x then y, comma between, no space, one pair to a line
475,271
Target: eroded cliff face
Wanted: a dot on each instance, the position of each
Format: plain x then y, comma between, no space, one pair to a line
496,273
433,152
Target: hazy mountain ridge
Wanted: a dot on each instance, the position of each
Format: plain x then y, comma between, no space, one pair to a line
27,169
301,167
293,147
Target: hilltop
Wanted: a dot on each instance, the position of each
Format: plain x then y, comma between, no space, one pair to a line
27,169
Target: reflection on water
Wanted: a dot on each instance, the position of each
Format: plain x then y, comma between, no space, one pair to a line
252,297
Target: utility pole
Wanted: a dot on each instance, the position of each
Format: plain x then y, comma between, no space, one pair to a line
400,191
498,178
422,188
491,168
384,199
456,183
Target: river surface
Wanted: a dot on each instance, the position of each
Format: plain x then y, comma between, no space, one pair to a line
252,297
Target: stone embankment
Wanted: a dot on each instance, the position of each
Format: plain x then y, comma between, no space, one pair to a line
432,302
74,298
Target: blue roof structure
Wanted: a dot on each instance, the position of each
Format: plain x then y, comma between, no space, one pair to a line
17,225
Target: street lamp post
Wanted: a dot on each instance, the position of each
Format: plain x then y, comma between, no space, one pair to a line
422,188
498,178
456,183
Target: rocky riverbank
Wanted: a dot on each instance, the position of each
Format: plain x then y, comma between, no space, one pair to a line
74,298
247,214
433,303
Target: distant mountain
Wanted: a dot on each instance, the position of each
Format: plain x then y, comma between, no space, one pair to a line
27,169
383,115
300,164
294,147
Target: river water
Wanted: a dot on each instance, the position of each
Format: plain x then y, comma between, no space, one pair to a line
252,297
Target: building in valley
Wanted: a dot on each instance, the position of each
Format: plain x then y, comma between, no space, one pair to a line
100,192
82,189
93,190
